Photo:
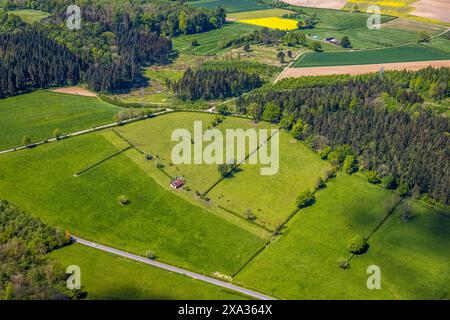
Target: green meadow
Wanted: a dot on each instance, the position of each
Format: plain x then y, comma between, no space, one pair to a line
29,15
271,198
212,42
156,219
231,5
406,53
38,114
303,262
108,277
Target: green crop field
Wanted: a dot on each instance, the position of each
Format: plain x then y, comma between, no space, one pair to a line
340,20
363,38
38,114
156,219
105,276
272,198
212,42
231,5
406,53
30,16
303,262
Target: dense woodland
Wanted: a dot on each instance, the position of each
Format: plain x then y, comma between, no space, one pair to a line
116,39
25,273
379,116
214,84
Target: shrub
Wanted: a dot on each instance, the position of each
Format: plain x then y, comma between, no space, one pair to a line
350,165
58,134
149,156
357,244
159,165
343,263
305,199
373,177
338,155
404,189
320,184
150,254
123,200
324,153
26,140
389,182
249,215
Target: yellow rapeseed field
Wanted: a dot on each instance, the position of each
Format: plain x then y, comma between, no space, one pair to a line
273,23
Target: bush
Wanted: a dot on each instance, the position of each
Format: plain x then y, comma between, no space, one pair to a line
150,254
159,165
404,190
26,140
357,244
343,263
389,182
320,184
324,153
149,156
338,155
373,177
305,199
249,215
350,165
123,200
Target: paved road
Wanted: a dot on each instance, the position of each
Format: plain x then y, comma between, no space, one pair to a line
168,267
78,133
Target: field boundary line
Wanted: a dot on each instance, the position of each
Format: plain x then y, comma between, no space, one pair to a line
174,269
102,161
242,218
239,164
128,141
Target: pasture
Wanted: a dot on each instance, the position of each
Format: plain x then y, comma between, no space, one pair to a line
38,114
212,42
155,219
272,198
108,277
303,262
406,53
231,6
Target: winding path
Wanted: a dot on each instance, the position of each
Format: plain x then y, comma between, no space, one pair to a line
170,268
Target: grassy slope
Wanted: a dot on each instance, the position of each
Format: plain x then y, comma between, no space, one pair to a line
143,134
209,42
231,5
302,263
272,198
413,256
106,276
156,219
30,16
389,55
38,114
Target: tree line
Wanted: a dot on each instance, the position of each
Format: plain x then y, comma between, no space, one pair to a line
380,116
25,274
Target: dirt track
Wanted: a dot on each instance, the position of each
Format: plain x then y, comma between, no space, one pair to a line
76,91
361,69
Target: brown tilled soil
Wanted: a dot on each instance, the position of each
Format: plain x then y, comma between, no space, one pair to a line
76,91
361,69
327,4
432,9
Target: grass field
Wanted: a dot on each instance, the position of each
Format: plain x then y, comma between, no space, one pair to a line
105,276
273,23
340,20
302,263
417,249
258,14
38,114
143,134
212,42
231,5
406,53
29,15
363,38
156,219
272,198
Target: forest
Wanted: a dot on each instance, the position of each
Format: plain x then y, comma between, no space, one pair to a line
211,84
25,273
116,40
379,116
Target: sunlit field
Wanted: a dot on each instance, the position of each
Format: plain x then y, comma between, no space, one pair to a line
273,23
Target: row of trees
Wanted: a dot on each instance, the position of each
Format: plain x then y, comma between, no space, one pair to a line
411,148
24,273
